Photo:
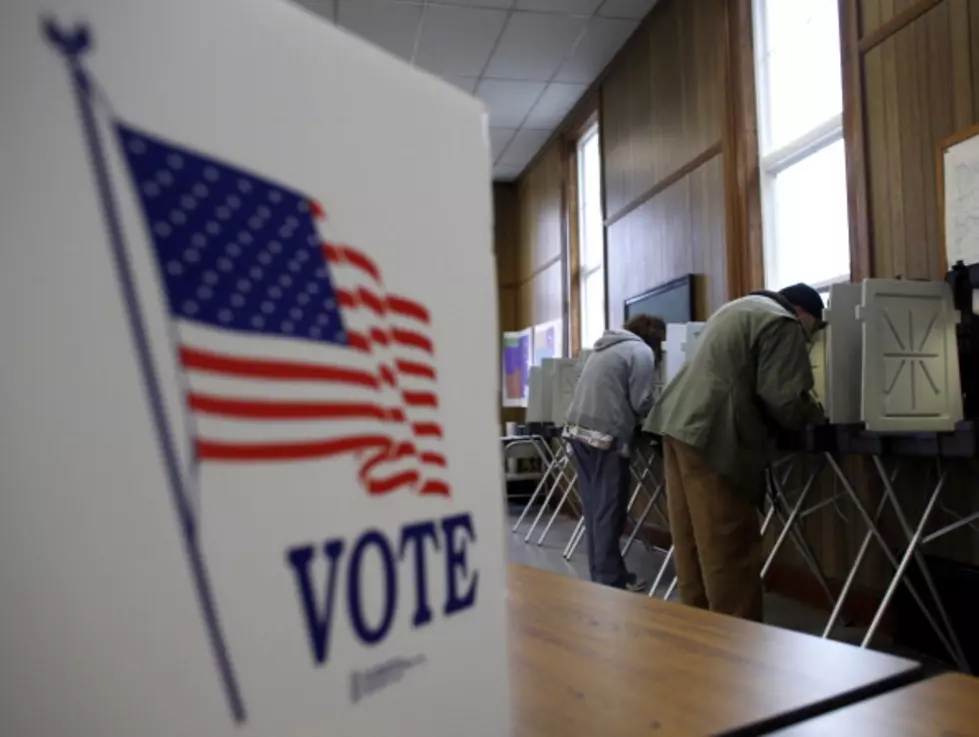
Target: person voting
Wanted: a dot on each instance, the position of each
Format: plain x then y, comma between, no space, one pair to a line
749,376
613,395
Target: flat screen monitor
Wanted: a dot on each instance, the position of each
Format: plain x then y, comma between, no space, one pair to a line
673,301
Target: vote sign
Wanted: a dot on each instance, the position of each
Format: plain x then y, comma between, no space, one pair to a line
250,471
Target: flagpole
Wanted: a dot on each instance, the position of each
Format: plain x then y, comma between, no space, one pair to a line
72,45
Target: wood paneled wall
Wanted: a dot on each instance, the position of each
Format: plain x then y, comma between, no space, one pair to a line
680,166
506,244
920,87
540,271
661,119
661,116
506,247
662,103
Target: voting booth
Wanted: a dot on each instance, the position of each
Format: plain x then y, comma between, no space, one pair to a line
246,486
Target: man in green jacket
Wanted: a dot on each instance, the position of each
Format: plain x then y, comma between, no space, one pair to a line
749,376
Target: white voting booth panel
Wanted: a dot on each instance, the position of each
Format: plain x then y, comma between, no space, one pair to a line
673,355
566,373
552,386
693,331
678,348
817,358
659,382
843,354
238,423
539,391
910,356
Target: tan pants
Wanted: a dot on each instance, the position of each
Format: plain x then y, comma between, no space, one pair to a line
716,537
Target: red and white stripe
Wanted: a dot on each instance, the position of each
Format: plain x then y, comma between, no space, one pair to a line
408,360
264,398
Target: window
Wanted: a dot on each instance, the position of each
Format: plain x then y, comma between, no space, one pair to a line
803,162
591,238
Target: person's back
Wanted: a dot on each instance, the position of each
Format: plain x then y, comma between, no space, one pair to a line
749,375
718,417
613,394
614,391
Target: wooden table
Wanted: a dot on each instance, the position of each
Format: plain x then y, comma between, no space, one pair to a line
946,706
589,661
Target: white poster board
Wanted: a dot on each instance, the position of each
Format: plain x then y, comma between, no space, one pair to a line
960,185
567,371
539,392
844,354
246,481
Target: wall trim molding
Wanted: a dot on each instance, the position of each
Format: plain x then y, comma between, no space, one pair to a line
901,20
536,272
854,142
669,180
743,222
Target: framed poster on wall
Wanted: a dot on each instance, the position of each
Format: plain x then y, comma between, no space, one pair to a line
958,186
547,341
518,356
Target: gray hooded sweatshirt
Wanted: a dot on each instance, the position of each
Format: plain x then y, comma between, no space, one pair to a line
615,391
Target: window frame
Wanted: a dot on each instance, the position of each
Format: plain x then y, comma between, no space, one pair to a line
586,271
824,134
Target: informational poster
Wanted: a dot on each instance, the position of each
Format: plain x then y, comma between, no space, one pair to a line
247,488
547,341
517,360
960,170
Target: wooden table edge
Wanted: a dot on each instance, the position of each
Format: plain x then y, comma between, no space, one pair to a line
820,708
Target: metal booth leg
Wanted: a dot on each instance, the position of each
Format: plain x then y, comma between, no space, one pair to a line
793,517
642,518
914,551
564,497
802,545
771,509
662,571
640,484
852,574
569,548
875,531
548,460
559,474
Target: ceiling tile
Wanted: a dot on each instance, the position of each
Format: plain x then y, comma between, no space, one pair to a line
499,138
554,104
323,8
533,46
458,40
523,146
636,9
466,84
508,101
392,26
568,7
603,38
479,3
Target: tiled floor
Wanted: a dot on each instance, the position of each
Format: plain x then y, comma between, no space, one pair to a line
779,610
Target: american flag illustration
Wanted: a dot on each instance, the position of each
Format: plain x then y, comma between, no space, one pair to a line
289,345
